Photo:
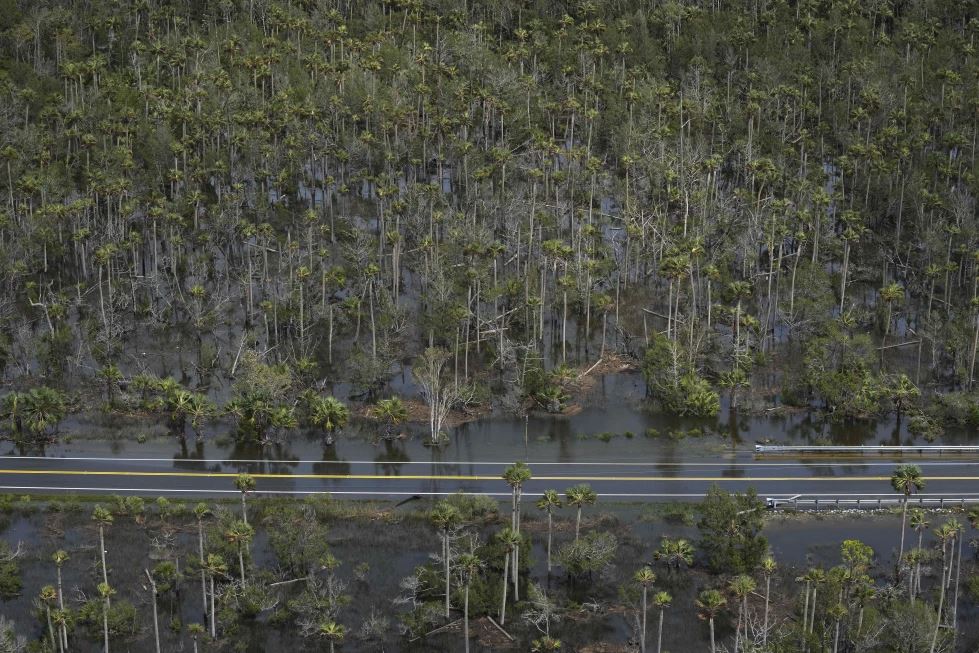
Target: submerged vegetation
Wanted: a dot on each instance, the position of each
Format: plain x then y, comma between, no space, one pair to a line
745,198
575,575
295,214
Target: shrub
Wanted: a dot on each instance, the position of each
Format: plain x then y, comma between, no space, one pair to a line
124,621
10,583
474,507
591,553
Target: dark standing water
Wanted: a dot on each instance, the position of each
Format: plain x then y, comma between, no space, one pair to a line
616,423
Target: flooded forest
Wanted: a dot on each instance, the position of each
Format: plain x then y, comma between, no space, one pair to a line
278,231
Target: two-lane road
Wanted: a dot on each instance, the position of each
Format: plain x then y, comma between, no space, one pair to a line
864,477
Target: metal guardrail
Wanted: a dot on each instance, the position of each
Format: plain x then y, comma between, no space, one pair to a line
869,503
921,449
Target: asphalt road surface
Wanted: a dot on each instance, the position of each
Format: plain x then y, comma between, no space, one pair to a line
826,478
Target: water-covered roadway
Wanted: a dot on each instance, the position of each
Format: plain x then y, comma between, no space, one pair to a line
811,477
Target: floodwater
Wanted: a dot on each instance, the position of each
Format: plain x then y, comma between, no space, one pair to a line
615,423
392,549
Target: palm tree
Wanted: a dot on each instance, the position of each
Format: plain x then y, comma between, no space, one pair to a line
645,577
741,586
240,534
105,591
919,523
807,579
444,516
44,408
103,518
390,412
906,479
768,567
580,496
902,392
200,409
956,561
675,552
817,577
549,502
545,644
60,618
156,619
709,603
215,566
332,632
515,476
200,512
111,375
60,557
945,533
468,566
47,598
661,600
245,484
329,414
511,541
890,294
837,612
195,630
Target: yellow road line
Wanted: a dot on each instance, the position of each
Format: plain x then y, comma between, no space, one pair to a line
464,477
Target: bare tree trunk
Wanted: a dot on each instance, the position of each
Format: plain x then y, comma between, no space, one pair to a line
47,611
549,534
200,551
156,618
659,633
941,602
642,638
105,623
445,553
506,568
768,592
105,574
904,518
214,622
465,618
241,563
63,628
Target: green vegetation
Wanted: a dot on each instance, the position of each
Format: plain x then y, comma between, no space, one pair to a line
282,196
730,528
309,573
264,212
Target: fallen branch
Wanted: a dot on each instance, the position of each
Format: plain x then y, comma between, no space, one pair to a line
646,310
439,630
500,628
289,582
588,371
241,345
900,344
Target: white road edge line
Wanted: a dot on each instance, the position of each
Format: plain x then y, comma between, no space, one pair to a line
446,463
804,497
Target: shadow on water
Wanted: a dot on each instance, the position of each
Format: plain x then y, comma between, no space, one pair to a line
616,422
